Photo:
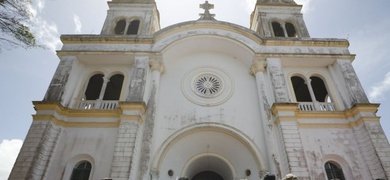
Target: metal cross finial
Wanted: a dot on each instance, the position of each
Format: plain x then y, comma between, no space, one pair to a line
206,15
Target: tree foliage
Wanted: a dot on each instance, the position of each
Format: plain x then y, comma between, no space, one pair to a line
14,31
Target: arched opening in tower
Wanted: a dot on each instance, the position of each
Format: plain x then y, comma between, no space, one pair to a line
301,90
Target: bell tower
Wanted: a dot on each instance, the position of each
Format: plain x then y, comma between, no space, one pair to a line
131,17
278,18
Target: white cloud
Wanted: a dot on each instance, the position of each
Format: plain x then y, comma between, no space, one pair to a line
377,92
9,150
45,33
77,23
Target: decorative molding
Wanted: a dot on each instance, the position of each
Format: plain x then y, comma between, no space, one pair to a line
132,111
359,113
258,65
157,64
190,91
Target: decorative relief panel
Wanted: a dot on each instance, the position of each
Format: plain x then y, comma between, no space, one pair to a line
207,86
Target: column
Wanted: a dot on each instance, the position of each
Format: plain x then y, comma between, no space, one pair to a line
258,70
312,95
102,91
278,81
284,29
138,79
156,67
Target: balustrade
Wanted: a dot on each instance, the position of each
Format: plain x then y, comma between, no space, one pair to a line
316,106
96,104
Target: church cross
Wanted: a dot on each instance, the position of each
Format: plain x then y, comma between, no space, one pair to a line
206,15
206,6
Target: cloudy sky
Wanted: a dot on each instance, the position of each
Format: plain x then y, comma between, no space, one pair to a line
26,73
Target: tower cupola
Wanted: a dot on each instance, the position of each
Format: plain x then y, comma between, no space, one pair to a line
131,17
278,18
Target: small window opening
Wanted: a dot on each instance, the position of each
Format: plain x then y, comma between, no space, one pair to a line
301,90
94,87
133,27
120,27
319,89
248,172
278,30
114,87
291,32
81,171
334,171
170,173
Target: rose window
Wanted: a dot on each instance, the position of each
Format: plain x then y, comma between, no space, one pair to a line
207,85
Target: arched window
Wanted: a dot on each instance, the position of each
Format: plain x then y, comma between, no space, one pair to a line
114,87
301,90
290,29
94,87
133,27
102,93
120,27
334,171
319,89
81,171
278,29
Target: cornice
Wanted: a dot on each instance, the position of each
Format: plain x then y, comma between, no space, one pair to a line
349,118
58,114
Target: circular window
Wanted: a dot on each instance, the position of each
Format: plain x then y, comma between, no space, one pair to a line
170,173
248,172
207,86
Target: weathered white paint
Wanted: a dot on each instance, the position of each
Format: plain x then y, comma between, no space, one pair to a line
257,126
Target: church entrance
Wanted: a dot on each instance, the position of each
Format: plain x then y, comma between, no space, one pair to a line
209,167
207,175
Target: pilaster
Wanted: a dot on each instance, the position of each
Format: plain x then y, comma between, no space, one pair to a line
157,67
129,135
57,85
372,141
286,121
138,79
279,84
351,81
258,70
36,153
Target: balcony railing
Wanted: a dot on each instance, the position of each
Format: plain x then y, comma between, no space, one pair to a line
316,106
98,104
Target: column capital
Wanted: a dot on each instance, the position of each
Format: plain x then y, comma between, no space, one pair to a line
258,65
156,64
106,79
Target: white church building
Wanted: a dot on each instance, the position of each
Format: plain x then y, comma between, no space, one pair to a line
204,100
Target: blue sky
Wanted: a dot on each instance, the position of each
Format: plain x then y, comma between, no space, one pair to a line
26,73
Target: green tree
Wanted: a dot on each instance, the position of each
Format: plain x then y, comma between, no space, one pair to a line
14,31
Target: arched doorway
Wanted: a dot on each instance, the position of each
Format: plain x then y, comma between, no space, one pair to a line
209,167
207,175
207,147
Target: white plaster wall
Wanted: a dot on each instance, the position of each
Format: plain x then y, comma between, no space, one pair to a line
99,143
176,111
335,144
209,143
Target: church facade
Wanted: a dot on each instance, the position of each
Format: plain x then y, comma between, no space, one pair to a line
204,99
